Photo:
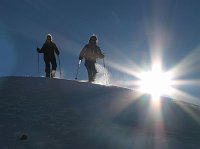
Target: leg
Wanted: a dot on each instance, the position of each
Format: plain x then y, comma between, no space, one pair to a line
89,70
47,68
94,71
54,65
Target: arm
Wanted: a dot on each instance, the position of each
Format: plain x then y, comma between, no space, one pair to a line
82,53
99,53
39,50
56,49
42,49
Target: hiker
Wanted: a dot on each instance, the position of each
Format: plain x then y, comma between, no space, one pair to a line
90,53
49,48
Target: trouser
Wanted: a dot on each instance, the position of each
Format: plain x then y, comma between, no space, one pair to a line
48,63
90,66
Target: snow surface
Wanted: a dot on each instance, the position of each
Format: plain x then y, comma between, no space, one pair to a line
67,114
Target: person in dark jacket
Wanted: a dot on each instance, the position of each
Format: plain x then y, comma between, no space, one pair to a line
49,48
91,52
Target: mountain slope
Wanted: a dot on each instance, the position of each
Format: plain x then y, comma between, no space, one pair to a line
53,113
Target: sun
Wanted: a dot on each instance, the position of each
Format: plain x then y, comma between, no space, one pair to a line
156,82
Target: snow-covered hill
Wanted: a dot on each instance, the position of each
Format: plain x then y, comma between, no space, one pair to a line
41,113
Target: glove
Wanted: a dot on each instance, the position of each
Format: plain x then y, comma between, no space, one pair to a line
103,55
38,50
80,58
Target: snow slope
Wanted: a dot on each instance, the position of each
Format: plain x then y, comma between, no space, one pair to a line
64,114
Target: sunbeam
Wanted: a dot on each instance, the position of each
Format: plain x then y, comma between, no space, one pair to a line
125,69
156,82
190,112
187,65
183,96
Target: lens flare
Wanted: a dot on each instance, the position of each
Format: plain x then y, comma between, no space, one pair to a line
156,82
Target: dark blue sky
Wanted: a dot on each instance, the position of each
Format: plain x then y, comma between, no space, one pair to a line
128,32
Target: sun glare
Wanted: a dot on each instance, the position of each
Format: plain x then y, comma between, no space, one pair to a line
155,82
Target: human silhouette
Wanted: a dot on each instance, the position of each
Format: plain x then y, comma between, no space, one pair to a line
49,49
91,52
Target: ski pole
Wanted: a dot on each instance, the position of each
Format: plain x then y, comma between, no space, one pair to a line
104,64
59,65
38,63
106,77
79,63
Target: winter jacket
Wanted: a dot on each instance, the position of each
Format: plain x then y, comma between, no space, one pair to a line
91,52
48,49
